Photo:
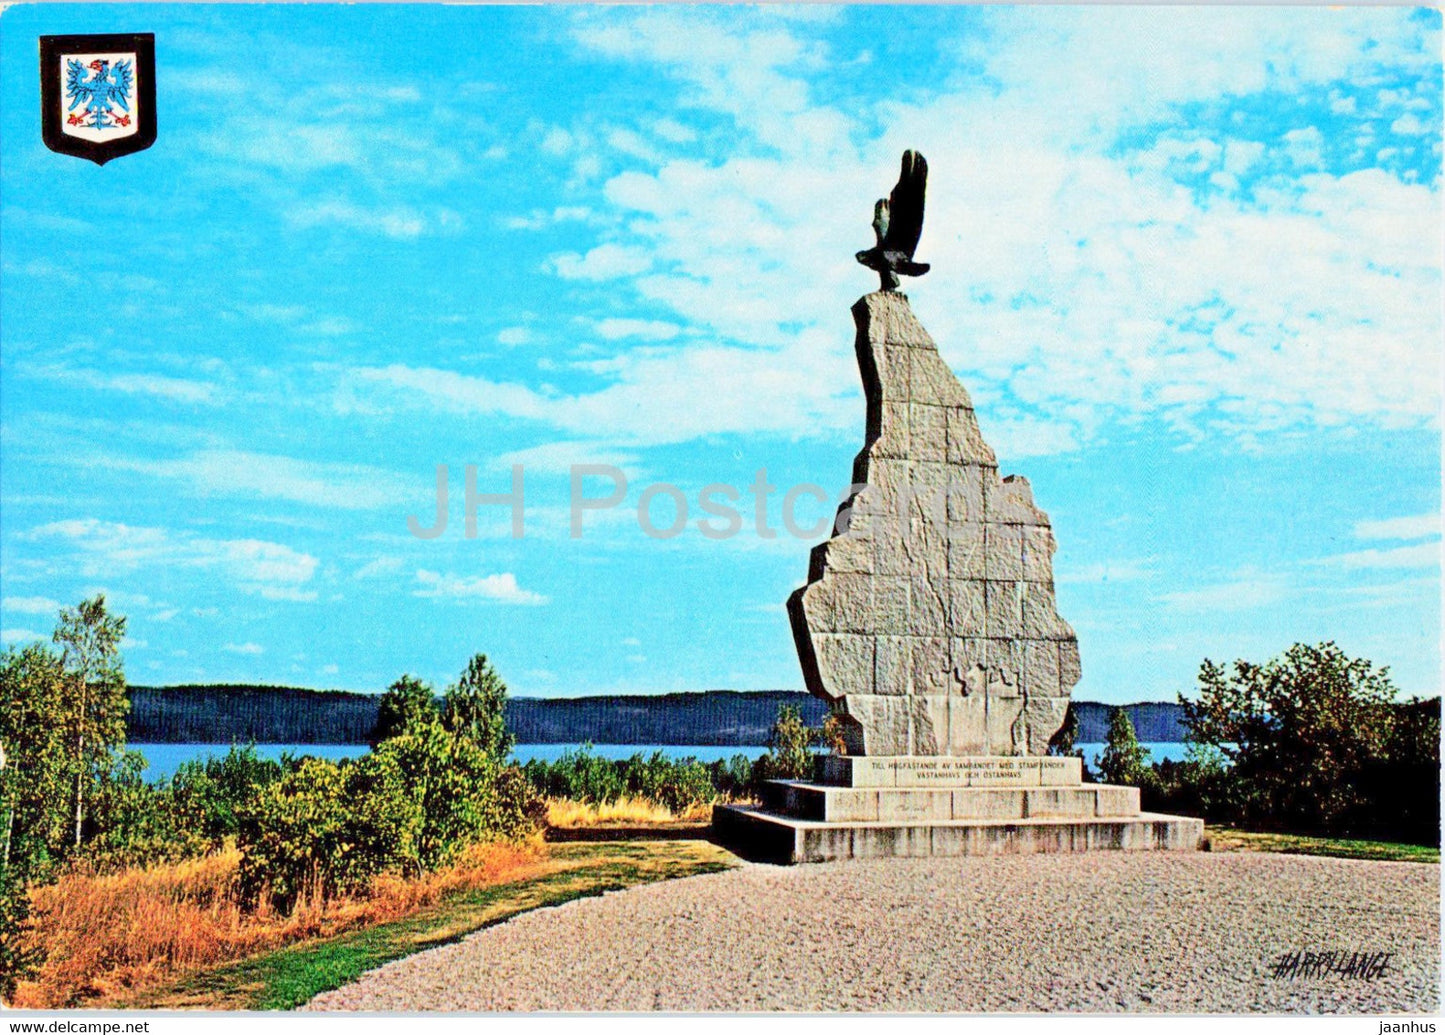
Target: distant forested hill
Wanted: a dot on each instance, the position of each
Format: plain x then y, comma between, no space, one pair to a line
714,717
1154,721
222,714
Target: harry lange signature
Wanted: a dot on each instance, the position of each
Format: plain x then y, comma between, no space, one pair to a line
1360,966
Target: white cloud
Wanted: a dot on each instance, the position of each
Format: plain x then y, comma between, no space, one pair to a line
380,566
501,587
1243,594
174,388
557,143
30,605
604,262
20,635
1076,281
659,396
286,593
1416,526
230,472
513,336
560,457
1422,555
104,548
398,222
1304,146
1409,124
244,648
652,330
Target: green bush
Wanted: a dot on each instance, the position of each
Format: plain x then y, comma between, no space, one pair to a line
1125,760
676,785
1299,732
293,838
579,775
458,787
208,795
732,777
325,829
136,823
1311,742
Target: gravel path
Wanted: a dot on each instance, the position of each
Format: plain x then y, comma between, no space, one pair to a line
1196,932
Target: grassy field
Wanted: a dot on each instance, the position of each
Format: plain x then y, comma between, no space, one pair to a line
290,976
1228,839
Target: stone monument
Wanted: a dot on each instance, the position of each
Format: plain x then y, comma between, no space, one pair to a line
928,621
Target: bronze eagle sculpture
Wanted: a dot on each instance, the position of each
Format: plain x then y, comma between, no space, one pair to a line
897,224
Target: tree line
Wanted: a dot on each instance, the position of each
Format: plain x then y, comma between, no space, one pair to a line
228,713
1310,742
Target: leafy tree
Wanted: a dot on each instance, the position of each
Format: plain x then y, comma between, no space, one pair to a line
1124,761
475,707
94,706
1063,743
34,782
1403,787
33,793
1064,738
789,755
208,796
1298,731
133,822
832,734
407,704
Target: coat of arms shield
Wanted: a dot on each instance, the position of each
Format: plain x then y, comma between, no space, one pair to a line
98,94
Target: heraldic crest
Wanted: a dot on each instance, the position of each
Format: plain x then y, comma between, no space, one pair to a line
98,95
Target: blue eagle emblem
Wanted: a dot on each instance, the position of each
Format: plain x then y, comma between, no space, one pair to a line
99,100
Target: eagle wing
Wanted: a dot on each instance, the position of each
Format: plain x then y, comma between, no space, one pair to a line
76,88
120,89
905,206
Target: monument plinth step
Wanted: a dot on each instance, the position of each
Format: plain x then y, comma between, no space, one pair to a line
830,804
768,837
943,771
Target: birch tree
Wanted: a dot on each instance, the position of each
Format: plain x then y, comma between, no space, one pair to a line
95,702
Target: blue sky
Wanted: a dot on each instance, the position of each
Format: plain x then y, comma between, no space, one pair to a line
1185,260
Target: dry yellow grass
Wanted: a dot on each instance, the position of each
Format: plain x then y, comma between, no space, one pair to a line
563,813
105,933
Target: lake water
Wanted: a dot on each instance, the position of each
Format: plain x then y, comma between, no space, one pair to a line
1158,752
165,759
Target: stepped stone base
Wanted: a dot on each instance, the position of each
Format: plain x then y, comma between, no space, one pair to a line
767,837
872,807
